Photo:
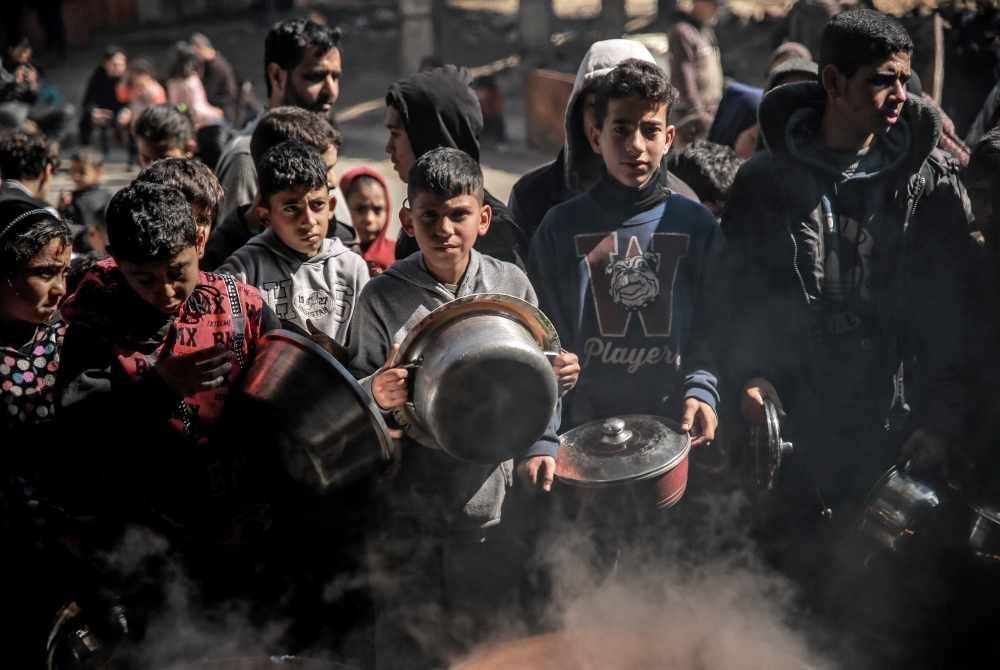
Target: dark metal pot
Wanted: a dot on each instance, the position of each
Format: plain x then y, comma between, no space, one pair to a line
984,534
899,508
482,386
648,453
327,426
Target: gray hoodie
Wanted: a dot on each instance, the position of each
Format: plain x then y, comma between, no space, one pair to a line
323,289
439,490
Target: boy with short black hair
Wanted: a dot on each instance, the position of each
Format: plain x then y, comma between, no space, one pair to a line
27,162
239,209
163,131
198,185
442,512
310,280
709,169
153,350
625,269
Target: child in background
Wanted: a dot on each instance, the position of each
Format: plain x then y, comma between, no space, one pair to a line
84,208
185,90
310,280
163,131
198,185
368,199
709,169
443,531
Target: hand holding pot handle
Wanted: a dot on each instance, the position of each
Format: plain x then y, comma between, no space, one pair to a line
699,420
389,388
537,472
752,400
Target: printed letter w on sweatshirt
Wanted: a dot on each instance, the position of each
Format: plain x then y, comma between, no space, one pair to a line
637,282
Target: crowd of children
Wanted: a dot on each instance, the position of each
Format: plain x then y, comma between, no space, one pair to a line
844,251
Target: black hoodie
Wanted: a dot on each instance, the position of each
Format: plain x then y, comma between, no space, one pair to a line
918,306
438,109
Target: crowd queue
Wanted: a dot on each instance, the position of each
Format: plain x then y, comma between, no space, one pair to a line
701,246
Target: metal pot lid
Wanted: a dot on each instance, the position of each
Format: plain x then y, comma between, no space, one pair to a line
500,304
621,449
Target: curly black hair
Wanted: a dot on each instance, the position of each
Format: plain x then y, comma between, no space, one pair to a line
23,155
165,126
287,166
634,78
192,178
445,172
149,222
287,41
708,168
283,124
21,241
860,37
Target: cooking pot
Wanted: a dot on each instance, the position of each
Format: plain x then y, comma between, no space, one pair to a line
327,426
482,388
984,534
649,453
899,509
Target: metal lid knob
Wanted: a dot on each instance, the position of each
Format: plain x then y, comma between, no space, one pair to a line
614,432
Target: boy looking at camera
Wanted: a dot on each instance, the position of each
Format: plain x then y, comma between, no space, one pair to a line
310,280
624,269
442,515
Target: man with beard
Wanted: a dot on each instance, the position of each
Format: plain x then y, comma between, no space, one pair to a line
849,265
302,67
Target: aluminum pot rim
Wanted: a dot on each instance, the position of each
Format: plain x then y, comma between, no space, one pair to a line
367,402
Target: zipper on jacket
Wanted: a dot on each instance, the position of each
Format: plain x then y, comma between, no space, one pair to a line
918,191
795,266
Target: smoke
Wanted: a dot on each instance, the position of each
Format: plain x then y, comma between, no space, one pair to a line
692,593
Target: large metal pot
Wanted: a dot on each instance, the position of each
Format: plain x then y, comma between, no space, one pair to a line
482,386
649,453
327,426
898,510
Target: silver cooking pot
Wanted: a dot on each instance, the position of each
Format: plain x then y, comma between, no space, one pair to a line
328,428
482,387
899,510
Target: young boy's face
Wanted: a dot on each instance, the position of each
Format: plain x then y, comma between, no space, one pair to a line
871,100
368,211
97,238
84,174
300,218
166,285
445,228
633,140
398,147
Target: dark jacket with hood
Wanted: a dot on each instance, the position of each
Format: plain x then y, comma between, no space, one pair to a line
438,109
827,308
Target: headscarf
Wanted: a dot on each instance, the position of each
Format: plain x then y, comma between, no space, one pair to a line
381,253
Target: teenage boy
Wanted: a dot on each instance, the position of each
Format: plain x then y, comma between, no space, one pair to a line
436,108
849,254
302,68
625,270
695,63
310,280
278,125
198,185
577,167
161,132
443,514
152,353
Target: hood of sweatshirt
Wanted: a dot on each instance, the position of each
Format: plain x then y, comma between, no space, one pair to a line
789,122
382,251
582,165
413,270
438,109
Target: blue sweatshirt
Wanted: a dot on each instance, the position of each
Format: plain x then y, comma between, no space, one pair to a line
631,297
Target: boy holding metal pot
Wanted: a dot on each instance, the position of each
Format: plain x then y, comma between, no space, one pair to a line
441,550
